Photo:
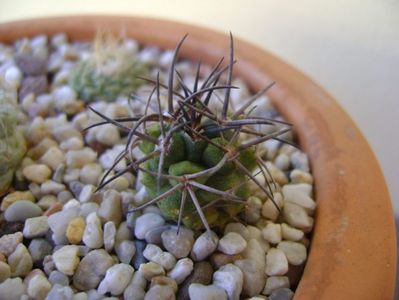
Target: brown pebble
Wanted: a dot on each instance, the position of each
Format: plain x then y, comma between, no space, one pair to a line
163,280
55,207
2,257
219,259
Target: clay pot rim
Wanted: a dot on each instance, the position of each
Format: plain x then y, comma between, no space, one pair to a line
353,251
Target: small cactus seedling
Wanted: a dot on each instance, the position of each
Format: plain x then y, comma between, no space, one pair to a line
12,142
196,163
110,71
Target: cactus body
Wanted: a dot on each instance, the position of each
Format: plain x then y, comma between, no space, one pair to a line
110,71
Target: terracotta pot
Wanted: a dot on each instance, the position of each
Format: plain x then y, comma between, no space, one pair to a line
353,250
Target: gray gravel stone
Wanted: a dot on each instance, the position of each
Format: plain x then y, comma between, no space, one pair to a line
12,289
254,277
199,291
39,248
111,208
57,277
20,261
59,292
125,251
22,210
36,85
9,242
31,64
92,269
154,235
178,243
139,257
281,294
232,243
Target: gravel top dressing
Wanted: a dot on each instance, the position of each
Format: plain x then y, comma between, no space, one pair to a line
129,173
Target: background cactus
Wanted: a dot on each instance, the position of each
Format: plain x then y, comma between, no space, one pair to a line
197,162
12,142
110,71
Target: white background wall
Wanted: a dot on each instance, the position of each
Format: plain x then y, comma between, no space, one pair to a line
351,47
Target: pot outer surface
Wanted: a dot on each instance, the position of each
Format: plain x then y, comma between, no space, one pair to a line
353,249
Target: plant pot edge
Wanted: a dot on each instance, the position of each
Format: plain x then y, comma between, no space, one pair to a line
353,252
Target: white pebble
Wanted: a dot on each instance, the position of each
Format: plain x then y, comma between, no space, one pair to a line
66,259
300,161
35,227
204,246
146,222
13,76
51,187
86,193
181,270
199,291
297,217
109,235
90,173
79,158
125,251
155,254
231,279
276,262
150,270
272,233
290,233
232,243
298,176
274,283
295,252
295,195
73,143
108,135
38,287
53,157
116,279
93,233
269,209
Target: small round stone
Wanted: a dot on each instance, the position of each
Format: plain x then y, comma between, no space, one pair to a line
111,208
276,262
9,242
92,269
160,292
12,289
202,273
275,282
5,271
57,277
163,280
35,227
109,235
116,279
90,173
297,217
181,270
281,294
290,233
178,243
16,196
295,252
232,243
231,279
150,270
66,259
272,233
13,76
204,246
20,261
145,222
22,210
108,135
125,251
254,278
38,173
155,254
75,229
53,157
93,233
199,291
38,287
39,248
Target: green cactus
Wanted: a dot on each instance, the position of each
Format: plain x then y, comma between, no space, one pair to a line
12,142
110,71
197,163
